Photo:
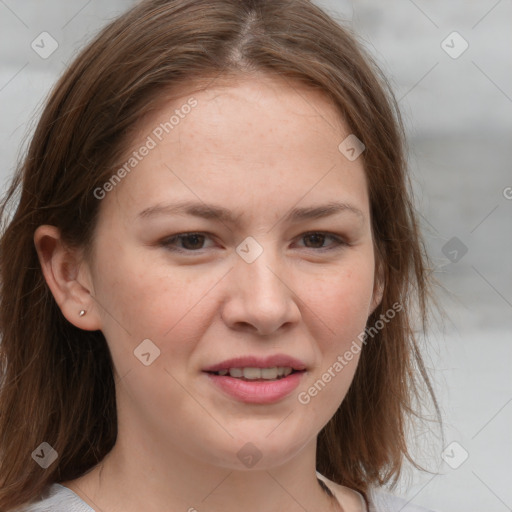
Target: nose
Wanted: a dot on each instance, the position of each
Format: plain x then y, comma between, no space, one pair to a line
261,296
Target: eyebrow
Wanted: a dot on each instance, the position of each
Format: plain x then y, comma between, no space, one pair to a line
217,212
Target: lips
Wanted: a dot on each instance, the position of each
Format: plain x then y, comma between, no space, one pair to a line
278,360
257,380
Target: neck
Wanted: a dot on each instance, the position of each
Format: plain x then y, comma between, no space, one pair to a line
134,477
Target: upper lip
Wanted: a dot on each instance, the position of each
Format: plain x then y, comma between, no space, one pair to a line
257,362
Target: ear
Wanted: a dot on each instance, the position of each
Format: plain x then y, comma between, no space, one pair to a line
68,278
378,287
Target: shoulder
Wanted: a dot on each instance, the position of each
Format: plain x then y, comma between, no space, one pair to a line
383,501
58,499
380,500
348,498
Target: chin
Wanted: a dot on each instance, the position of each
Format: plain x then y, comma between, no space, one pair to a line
259,452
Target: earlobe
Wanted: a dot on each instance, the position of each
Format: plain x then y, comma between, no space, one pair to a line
67,277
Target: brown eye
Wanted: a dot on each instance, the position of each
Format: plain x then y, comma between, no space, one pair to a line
184,242
317,240
191,242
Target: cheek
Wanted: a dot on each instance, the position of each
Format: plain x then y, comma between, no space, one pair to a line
139,296
342,300
146,301
342,304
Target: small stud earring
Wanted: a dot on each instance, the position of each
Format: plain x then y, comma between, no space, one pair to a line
82,312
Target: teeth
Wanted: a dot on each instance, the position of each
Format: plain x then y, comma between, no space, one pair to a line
267,373
250,373
236,372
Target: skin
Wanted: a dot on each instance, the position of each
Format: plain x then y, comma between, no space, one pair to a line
259,148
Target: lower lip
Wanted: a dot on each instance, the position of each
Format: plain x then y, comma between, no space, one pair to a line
257,392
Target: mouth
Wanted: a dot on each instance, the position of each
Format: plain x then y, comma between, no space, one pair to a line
257,389
257,380
257,374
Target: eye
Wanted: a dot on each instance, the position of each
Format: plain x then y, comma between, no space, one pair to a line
191,242
317,238
194,242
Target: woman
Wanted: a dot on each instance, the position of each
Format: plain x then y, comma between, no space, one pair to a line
209,282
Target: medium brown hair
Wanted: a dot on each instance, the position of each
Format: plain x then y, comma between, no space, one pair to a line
57,381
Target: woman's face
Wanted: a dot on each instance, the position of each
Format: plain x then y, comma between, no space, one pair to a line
254,282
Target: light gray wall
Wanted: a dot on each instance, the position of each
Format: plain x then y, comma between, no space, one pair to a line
458,113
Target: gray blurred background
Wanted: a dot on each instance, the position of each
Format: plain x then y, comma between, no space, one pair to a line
450,64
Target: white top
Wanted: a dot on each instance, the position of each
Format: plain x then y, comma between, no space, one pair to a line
61,499
380,500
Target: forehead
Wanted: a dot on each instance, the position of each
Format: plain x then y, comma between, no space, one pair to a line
252,89
243,141
233,110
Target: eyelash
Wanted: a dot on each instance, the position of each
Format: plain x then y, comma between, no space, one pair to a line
168,242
